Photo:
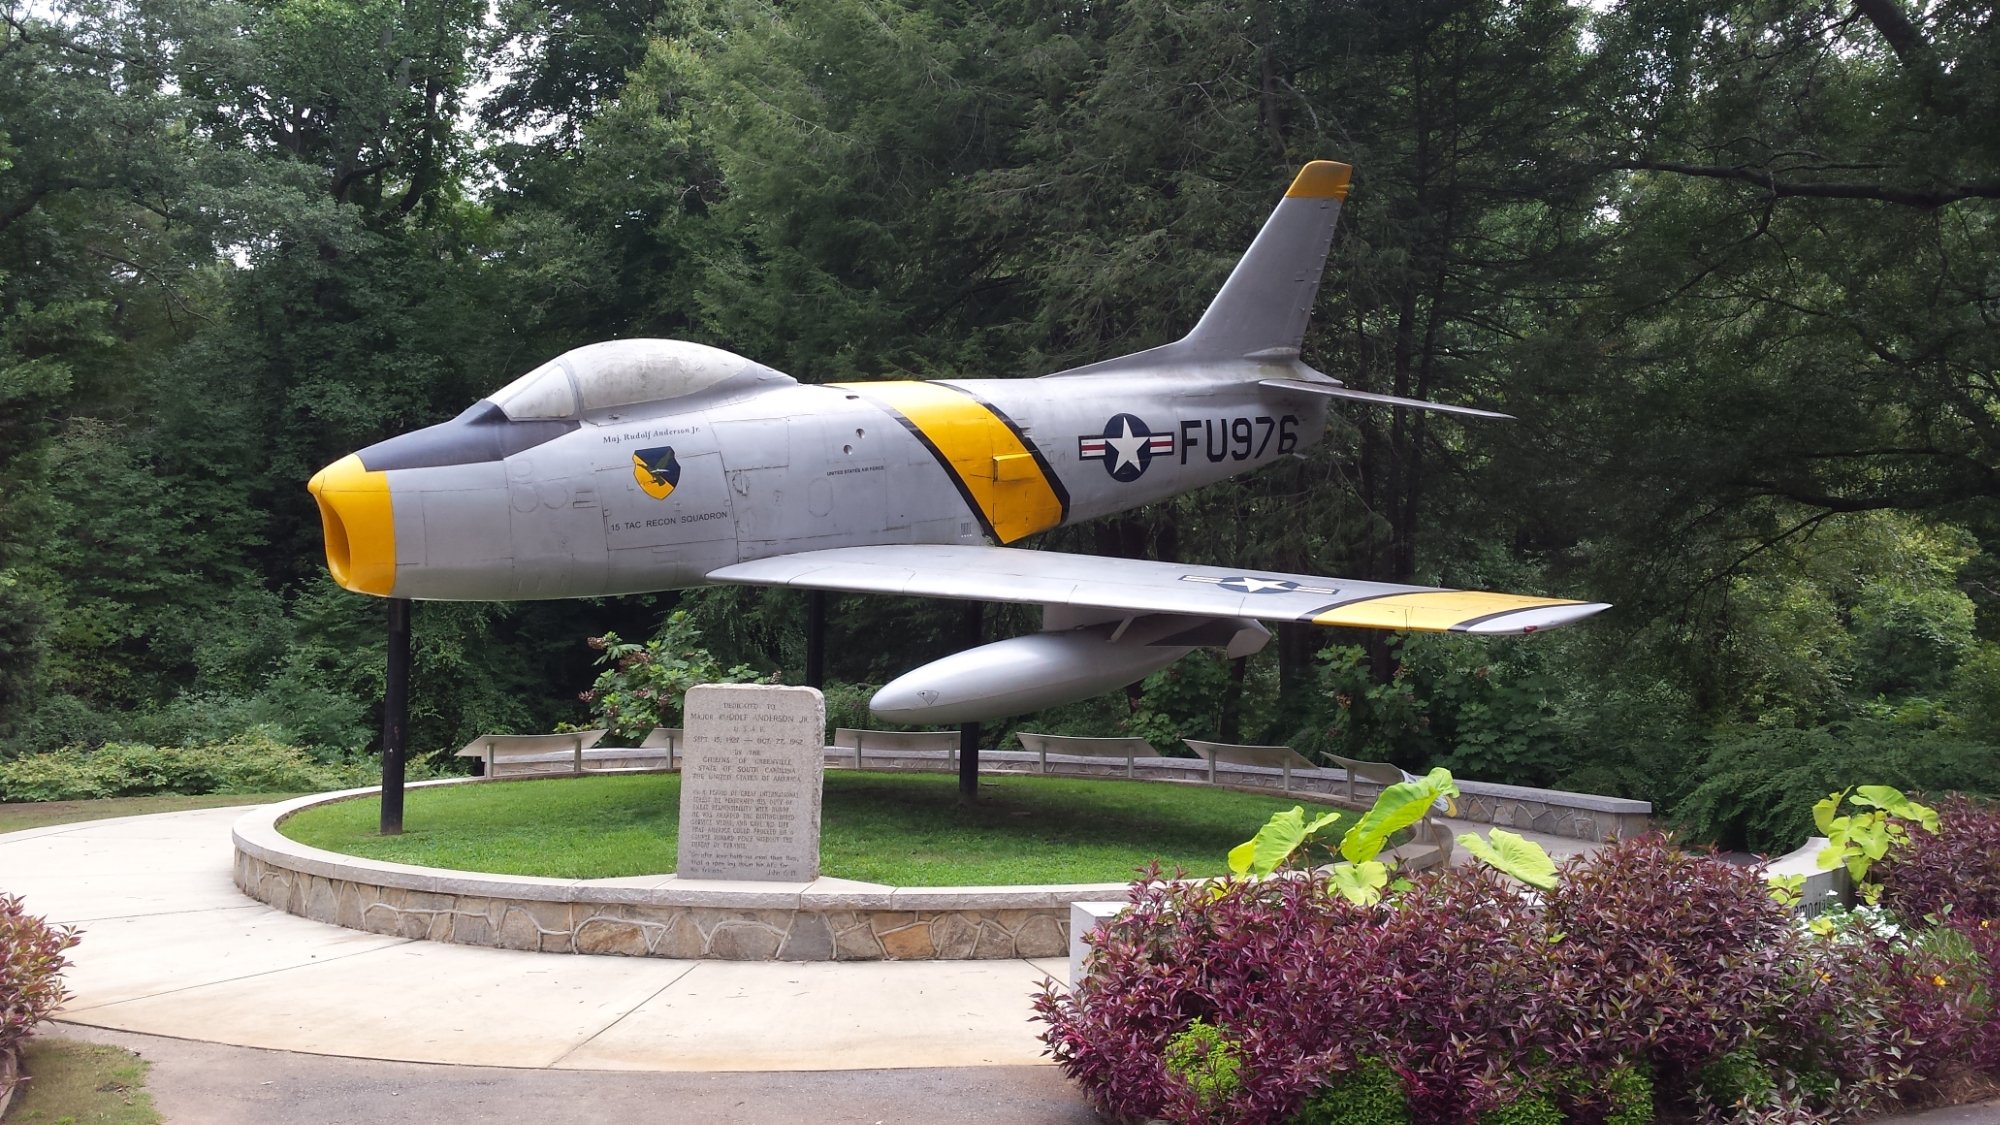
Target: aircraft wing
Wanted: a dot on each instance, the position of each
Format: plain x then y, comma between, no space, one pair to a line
1006,574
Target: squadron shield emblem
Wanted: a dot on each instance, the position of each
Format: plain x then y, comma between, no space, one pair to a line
656,471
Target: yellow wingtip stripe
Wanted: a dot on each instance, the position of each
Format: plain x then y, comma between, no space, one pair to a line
1434,611
1322,179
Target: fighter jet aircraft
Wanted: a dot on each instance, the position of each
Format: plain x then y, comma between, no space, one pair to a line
640,465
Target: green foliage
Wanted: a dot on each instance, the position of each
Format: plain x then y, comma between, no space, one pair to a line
1183,700
1869,609
1737,1079
63,720
1881,820
248,764
847,705
1396,808
21,622
1206,1061
1531,1107
1627,1092
642,686
1974,699
1512,855
1359,877
1277,840
1759,785
1483,708
1359,883
1369,1094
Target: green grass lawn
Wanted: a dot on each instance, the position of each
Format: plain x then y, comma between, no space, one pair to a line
16,816
902,829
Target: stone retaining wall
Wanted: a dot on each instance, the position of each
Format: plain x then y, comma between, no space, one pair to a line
640,929
653,916
1579,816
825,920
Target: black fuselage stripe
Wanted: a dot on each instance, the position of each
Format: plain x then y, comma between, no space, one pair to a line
950,470
1048,471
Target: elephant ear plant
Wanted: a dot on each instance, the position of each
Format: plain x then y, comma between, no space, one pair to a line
1880,819
1359,876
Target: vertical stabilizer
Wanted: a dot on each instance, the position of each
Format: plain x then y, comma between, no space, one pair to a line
1263,307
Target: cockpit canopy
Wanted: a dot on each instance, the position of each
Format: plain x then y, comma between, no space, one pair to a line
624,374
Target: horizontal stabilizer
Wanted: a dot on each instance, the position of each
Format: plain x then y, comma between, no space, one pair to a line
1335,390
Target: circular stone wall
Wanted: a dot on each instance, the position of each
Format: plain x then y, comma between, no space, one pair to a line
651,915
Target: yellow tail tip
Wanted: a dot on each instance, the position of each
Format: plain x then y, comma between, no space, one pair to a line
1322,179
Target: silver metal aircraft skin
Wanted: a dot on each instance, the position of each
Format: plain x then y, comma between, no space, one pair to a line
640,465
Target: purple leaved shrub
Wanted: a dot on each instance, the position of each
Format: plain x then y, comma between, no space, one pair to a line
1646,961
1958,866
31,965
1983,935
1871,1017
1662,956
1266,962
1444,983
1457,1000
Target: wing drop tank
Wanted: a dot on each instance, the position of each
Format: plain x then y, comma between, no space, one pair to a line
1025,674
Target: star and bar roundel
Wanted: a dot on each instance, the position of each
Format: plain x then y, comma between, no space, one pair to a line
1126,447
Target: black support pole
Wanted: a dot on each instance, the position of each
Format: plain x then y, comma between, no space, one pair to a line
816,638
968,733
395,716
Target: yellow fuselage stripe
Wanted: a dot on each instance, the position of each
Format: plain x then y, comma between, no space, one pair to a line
1434,611
1001,476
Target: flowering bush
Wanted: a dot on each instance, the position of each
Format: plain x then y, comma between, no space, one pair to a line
1873,1013
31,964
1983,936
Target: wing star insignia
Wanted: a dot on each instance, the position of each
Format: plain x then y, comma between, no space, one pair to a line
1246,584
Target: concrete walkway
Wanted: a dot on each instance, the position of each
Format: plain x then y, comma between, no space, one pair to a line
195,1083
172,948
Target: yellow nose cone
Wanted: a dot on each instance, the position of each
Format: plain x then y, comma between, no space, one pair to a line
358,518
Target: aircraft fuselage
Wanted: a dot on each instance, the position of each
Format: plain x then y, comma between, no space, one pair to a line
658,495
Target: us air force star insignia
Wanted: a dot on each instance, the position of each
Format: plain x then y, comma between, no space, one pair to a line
1243,584
656,471
1126,447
